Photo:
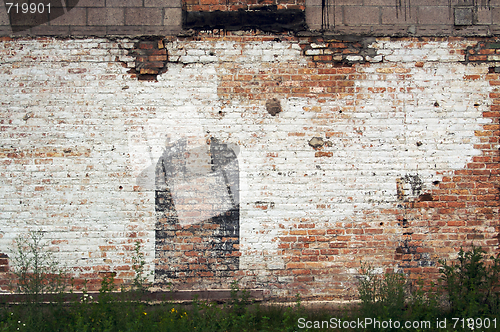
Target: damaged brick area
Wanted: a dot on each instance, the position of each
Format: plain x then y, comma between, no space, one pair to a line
486,50
151,59
341,49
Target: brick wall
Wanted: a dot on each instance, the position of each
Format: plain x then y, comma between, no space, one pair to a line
277,160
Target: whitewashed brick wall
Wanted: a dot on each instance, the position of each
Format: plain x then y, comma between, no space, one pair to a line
80,138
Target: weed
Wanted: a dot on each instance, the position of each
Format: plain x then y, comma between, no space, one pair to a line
382,296
36,270
138,264
471,284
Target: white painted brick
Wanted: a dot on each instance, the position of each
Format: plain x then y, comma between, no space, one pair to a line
90,110
314,52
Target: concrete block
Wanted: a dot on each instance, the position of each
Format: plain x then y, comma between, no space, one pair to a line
357,15
88,30
495,16
124,3
91,3
392,15
163,3
76,17
106,16
484,16
143,16
172,16
124,30
436,15
46,30
464,15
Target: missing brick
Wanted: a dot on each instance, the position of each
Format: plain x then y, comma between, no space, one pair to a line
151,58
273,106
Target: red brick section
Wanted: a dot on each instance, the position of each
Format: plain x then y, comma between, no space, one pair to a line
486,50
284,79
4,269
463,209
150,59
325,49
233,5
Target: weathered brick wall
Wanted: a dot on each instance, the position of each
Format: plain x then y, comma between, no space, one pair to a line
279,161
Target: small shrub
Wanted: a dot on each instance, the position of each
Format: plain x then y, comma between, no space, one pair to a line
382,296
36,270
472,285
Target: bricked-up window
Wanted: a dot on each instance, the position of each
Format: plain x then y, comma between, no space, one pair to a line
197,208
273,16
226,5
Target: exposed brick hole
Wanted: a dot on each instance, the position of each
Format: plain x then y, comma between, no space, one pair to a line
342,52
484,52
273,106
425,197
493,70
151,59
316,142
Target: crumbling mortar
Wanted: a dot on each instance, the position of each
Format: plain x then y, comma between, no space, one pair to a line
150,60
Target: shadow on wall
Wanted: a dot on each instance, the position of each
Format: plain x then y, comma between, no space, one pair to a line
24,15
197,211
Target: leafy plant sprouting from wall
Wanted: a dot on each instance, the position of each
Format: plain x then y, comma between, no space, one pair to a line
138,265
36,270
